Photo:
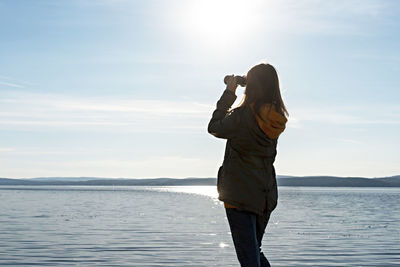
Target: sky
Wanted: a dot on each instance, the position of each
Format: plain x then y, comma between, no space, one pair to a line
118,88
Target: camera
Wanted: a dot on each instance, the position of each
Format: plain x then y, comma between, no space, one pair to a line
240,80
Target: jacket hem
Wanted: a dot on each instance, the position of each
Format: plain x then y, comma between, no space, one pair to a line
241,206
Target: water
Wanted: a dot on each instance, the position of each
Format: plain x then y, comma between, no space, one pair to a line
186,226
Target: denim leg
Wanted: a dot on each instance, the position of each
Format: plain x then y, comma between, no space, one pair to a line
243,226
262,222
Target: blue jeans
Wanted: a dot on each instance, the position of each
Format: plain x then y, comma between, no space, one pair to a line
247,231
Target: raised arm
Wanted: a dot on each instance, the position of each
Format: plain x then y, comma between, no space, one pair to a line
222,123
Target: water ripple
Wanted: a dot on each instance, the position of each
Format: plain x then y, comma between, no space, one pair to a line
179,226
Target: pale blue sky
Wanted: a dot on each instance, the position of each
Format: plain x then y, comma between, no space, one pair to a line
115,88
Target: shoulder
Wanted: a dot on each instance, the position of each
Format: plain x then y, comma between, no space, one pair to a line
243,116
244,111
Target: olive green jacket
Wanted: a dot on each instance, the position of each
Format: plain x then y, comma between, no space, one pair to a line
247,178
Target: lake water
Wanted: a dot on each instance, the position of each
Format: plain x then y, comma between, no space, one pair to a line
186,226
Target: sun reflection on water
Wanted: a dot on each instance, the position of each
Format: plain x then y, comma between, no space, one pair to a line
223,245
205,190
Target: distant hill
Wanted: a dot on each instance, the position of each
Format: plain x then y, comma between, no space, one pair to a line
331,181
66,178
324,181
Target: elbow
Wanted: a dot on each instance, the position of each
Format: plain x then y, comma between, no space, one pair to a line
211,130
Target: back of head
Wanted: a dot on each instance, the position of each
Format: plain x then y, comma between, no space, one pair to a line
263,88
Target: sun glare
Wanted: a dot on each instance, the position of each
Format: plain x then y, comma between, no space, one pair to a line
209,191
218,22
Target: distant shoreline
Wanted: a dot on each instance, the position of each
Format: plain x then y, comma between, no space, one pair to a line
316,181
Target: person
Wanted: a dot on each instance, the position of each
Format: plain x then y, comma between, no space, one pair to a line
246,181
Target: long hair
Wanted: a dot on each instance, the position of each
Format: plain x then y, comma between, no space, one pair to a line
263,88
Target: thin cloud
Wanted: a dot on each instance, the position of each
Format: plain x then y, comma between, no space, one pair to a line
32,111
113,168
8,84
107,104
322,17
6,149
370,8
350,141
35,111
344,116
37,151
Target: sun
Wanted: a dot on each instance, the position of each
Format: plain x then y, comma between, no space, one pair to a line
217,23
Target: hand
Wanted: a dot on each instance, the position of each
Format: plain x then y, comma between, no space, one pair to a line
231,84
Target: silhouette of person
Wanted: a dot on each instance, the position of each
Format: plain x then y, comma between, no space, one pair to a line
246,180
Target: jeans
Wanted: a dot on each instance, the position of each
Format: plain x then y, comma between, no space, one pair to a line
247,231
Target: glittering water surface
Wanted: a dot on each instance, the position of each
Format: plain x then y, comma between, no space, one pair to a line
186,226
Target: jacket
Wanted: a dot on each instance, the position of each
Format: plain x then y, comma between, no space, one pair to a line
247,178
